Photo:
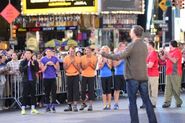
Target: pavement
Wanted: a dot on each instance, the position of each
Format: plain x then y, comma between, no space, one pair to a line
169,115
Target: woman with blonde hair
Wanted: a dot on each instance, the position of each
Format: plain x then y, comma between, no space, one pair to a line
105,66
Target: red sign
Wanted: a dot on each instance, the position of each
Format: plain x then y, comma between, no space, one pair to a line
10,13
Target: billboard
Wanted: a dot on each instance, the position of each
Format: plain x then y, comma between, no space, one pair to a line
44,7
123,6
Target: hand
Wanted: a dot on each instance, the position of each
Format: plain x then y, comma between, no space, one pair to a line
50,63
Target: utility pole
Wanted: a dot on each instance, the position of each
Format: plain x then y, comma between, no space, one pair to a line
163,31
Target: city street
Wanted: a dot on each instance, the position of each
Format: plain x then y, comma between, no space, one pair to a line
170,115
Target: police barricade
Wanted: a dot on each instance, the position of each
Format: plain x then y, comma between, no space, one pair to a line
162,77
12,89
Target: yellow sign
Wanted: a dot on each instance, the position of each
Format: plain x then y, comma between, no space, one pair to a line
162,5
45,7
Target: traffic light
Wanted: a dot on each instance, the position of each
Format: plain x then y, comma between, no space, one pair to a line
14,31
181,4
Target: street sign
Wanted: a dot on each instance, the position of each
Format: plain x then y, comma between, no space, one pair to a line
163,5
13,42
10,13
158,21
163,25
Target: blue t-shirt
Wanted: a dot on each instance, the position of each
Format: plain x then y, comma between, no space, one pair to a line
30,78
105,71
50,72
120,69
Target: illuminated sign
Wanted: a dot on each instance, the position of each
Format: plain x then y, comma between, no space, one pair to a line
123,6
35,7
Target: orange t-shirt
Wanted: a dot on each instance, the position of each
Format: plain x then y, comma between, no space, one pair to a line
89,71
72,70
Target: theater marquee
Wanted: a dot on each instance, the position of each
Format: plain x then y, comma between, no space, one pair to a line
41,7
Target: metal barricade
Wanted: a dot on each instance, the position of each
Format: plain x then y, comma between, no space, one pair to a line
12,89
162,77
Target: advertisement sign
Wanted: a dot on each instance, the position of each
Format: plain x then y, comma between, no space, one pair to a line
124,6
37,7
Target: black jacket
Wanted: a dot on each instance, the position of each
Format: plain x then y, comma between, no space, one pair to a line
23,67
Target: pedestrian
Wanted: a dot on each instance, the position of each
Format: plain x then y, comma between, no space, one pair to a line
135,55
173,75
88,65
153,73
105,66
50,67
119,80
72,69
28,69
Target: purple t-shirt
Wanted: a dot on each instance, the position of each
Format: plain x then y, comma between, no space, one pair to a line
50,71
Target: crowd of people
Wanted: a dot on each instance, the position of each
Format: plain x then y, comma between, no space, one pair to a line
136,68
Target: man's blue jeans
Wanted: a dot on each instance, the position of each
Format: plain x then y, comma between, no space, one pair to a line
132,88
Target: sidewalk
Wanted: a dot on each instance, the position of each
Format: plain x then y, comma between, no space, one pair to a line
170,115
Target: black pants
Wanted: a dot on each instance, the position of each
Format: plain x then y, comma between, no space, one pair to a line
88,82
29,88
73,93
50,87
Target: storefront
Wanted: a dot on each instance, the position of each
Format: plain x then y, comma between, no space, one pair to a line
118,17
61,20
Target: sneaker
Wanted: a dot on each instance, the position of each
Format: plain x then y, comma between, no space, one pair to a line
83,106
53,109
165,105
34,111
90,108
75,109
69,108
143,106
23,111
108,107
116,107
105,107
48,109
178,105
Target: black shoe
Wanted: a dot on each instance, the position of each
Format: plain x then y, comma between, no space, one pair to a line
90,108
165,105
69,108
48,109
143,106
83,106
154,106
178,105
75,108
53,109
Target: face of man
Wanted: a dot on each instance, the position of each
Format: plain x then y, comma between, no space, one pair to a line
88,51
71,52
121,46
28,55
49,53
14,56
149,46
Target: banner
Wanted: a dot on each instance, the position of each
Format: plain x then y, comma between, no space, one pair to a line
41,7
125,6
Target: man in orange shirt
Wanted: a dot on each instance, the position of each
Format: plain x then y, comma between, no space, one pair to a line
88,65
72,69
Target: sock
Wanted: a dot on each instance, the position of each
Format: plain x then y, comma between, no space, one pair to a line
32,107
23,107
69,105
